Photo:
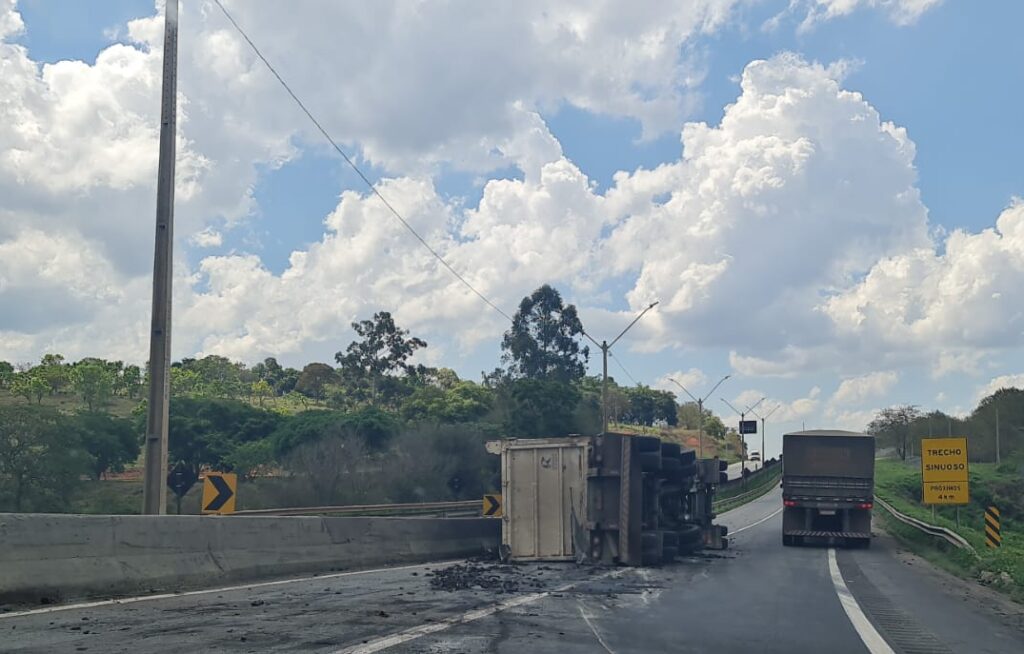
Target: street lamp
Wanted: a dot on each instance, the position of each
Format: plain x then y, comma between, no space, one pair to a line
604,346
700,409
743,441
763,418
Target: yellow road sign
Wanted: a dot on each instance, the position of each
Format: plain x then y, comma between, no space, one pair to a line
492,506
945,492
944,471
219,492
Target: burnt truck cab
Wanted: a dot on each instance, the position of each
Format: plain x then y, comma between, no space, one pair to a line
828,479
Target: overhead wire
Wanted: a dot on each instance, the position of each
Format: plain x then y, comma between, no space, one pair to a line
619,363
355,167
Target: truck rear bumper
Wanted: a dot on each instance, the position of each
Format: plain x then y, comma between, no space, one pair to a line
825,534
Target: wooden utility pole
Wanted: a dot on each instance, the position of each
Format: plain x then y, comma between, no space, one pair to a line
154,488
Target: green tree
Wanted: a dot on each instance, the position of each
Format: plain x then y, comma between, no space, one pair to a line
111,442
383,350
205,432
892,427
261,390
94,383
539,407
6,374
314,379
53,371
543,342
30,385
131,380
40,460
647,405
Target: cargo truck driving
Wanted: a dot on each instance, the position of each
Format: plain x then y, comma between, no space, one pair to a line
828,479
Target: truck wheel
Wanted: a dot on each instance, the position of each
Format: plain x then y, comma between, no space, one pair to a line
690,535
669,554
787,541
650,548
650,461
670,464
648,444
670,449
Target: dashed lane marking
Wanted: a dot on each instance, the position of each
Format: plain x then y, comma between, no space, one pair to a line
764,519
867,632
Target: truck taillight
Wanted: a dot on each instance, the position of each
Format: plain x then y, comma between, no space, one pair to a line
866,505
789,502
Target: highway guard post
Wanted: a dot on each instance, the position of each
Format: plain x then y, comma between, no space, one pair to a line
993,533
944,471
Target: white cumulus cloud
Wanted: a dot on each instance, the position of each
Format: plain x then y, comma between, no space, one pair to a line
855,390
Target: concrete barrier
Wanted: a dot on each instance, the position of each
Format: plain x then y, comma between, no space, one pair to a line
67,556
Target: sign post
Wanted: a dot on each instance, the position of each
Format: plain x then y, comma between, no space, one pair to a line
944,471
179,480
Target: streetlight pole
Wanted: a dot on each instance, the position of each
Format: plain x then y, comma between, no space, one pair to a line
605,346
154,488
700,410
763,418
743,441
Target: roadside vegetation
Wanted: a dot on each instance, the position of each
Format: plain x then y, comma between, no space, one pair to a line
370,426
899,483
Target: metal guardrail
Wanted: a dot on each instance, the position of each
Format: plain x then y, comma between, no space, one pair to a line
947,535
425,508
735,501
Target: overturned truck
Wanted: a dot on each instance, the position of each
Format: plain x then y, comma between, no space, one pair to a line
611,499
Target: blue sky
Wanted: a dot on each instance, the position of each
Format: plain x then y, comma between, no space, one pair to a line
950,78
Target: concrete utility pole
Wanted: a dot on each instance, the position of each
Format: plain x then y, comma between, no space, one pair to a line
997,436
700,410
154,489
605,346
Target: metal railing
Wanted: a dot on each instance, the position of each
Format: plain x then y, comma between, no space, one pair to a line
734,501
462,507
947,535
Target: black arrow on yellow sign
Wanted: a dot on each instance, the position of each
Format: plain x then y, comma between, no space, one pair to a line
219,492
492,506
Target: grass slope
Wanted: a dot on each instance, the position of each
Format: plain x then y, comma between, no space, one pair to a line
900,485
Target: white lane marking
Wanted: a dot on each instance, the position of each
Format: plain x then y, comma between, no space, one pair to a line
399,637
586,618
764,519
225,589
867,632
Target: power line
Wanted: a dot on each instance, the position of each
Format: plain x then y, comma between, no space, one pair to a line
354,167
622,367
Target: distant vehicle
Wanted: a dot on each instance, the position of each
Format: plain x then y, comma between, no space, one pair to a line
755,456
828,479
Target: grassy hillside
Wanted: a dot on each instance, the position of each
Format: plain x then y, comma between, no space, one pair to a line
119,406
900,485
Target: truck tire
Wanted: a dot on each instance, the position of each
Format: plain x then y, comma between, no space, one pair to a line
650,461
687,470
670,463
651,548
787,541
690,536
648,444
671,449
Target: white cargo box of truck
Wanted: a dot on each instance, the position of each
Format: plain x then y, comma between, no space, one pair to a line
544,492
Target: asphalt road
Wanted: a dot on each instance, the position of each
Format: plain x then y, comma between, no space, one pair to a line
735,470
757,596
